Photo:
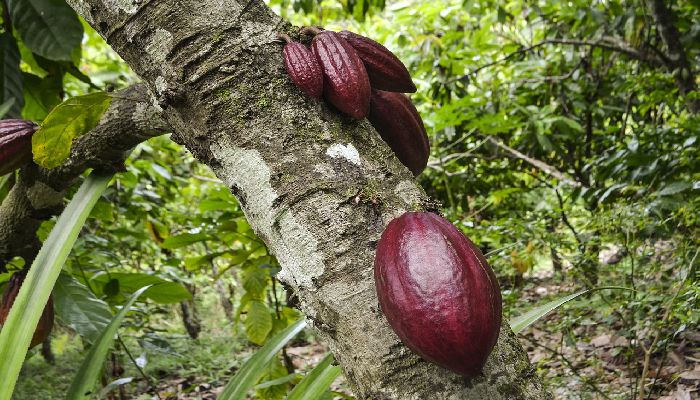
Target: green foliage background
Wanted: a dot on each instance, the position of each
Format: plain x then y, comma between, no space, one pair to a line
549,144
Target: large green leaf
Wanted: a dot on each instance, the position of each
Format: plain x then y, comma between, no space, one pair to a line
519,323
10,76
5,107
317,382
161,291
84,381
258,322
49,28
74,117
77,307
41,95
255,280
253,369
19,327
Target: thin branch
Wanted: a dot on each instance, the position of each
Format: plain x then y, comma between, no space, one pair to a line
569,364
649,350
607,42
541,165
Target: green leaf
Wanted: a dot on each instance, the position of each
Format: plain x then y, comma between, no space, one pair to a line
674,188
258,322
10,76
84,381
276,373
5,185
197,262
71,119
254,368
5,107
29,303
317,382
41,95
519,323
185,239
278,381
49,28
255,280
77,307
162,291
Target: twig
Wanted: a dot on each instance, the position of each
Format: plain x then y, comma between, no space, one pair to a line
648,351
548,169
131,357
571,366
608,43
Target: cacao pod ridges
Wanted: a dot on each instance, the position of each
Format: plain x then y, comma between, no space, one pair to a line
385,70
437,292
396,119
15,143
303,68
345,81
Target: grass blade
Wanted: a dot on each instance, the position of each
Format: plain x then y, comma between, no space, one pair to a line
316,383
84,381
253,369
519,323
29,304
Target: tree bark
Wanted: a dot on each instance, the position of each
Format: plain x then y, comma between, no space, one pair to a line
682,72
296,166
38,193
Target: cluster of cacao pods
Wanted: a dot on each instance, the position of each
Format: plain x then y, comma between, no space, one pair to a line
15,143
43,328
361,78
438,292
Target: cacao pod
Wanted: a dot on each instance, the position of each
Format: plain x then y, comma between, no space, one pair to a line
345,80
15,143
437,291
303,68
385,70
43,328
396,119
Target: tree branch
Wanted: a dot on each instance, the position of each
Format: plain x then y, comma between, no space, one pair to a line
606,42
682,72
224,90
38,193
541,165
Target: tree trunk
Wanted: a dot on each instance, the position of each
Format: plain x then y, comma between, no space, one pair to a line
295,165
189,314
682,72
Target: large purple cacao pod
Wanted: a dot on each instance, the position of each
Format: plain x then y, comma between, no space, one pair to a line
437,291
396,119
385,70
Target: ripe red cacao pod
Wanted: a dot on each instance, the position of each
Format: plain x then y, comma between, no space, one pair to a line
437,291
15,143
396,119
43,328
303,68
345,80
385,70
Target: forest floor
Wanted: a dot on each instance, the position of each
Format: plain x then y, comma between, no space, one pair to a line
587,359
594,360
